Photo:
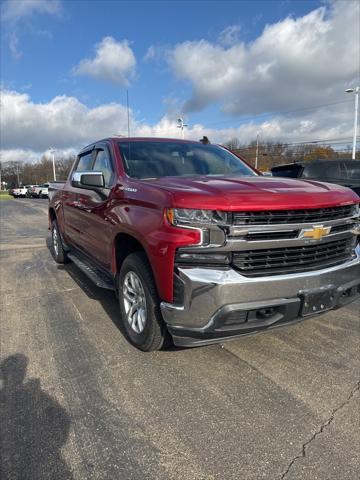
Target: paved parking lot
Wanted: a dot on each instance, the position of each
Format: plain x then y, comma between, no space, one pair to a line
79,402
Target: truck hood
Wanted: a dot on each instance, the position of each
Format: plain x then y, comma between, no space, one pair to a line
257,193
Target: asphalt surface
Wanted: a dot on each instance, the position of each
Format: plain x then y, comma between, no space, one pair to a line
79,402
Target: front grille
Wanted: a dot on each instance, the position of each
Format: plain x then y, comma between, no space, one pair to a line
279,235
289,234
342,228
292,216
277,261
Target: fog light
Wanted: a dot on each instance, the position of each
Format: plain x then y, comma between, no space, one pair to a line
265,313
202,258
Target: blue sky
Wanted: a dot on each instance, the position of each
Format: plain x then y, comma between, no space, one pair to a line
51,45
170,56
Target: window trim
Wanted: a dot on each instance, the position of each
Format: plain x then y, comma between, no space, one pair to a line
83,154
105,148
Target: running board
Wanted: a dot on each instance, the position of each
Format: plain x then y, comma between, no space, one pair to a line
96,275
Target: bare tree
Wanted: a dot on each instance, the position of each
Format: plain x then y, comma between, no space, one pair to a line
232,144
18,173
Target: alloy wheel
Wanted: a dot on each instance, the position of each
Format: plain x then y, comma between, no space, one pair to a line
134,302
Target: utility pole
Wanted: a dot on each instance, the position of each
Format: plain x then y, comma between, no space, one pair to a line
181,125
52,153
356,92
257,150
17,174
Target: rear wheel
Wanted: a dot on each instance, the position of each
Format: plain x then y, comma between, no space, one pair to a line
58,251
140,304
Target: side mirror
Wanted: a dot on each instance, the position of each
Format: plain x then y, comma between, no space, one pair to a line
90,180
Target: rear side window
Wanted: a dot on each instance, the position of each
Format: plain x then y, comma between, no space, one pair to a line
333,170
103,164
290,171
84,162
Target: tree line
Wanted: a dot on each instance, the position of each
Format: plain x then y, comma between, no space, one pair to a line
271,154
16,173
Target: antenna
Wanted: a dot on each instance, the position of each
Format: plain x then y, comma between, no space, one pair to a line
128,113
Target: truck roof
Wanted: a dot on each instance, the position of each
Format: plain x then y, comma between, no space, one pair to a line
150,139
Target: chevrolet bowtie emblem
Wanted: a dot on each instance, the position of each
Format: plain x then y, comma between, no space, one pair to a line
315,233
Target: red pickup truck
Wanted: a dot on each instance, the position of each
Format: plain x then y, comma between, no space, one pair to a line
198,246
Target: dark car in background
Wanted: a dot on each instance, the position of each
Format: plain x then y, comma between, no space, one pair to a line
341,172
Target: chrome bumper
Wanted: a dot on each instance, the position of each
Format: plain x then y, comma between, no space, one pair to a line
223,304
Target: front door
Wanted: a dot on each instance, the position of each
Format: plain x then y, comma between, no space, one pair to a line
93,207
73,227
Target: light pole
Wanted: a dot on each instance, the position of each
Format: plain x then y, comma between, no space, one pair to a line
356,92
52,153
181,125
17,174
257,150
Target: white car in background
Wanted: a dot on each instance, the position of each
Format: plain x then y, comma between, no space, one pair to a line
40,191
19,192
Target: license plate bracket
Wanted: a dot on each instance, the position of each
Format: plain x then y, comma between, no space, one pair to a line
317,300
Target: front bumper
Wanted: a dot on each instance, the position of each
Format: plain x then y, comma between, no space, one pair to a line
220,304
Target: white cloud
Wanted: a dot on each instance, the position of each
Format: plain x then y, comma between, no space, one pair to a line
114,61
294,63
156,53
14,13
150,54
14,46
230,35
63,122
19,155
28,128
14,10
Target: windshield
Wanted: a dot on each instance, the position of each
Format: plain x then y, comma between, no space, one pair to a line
162,159
336,170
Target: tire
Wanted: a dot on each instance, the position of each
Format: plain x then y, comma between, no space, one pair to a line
57,249
145,328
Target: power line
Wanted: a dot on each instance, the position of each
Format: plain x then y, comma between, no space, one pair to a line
303,142
265,146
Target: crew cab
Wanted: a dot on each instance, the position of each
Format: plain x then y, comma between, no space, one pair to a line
198,246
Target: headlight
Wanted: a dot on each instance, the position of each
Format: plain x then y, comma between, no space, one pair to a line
185,216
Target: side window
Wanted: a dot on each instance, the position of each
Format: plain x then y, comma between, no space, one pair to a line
84,162
103,164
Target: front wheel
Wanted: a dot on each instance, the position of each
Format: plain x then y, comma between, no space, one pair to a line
140,305
58,251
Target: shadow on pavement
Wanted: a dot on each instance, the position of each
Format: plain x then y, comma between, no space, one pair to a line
34,426
107,298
